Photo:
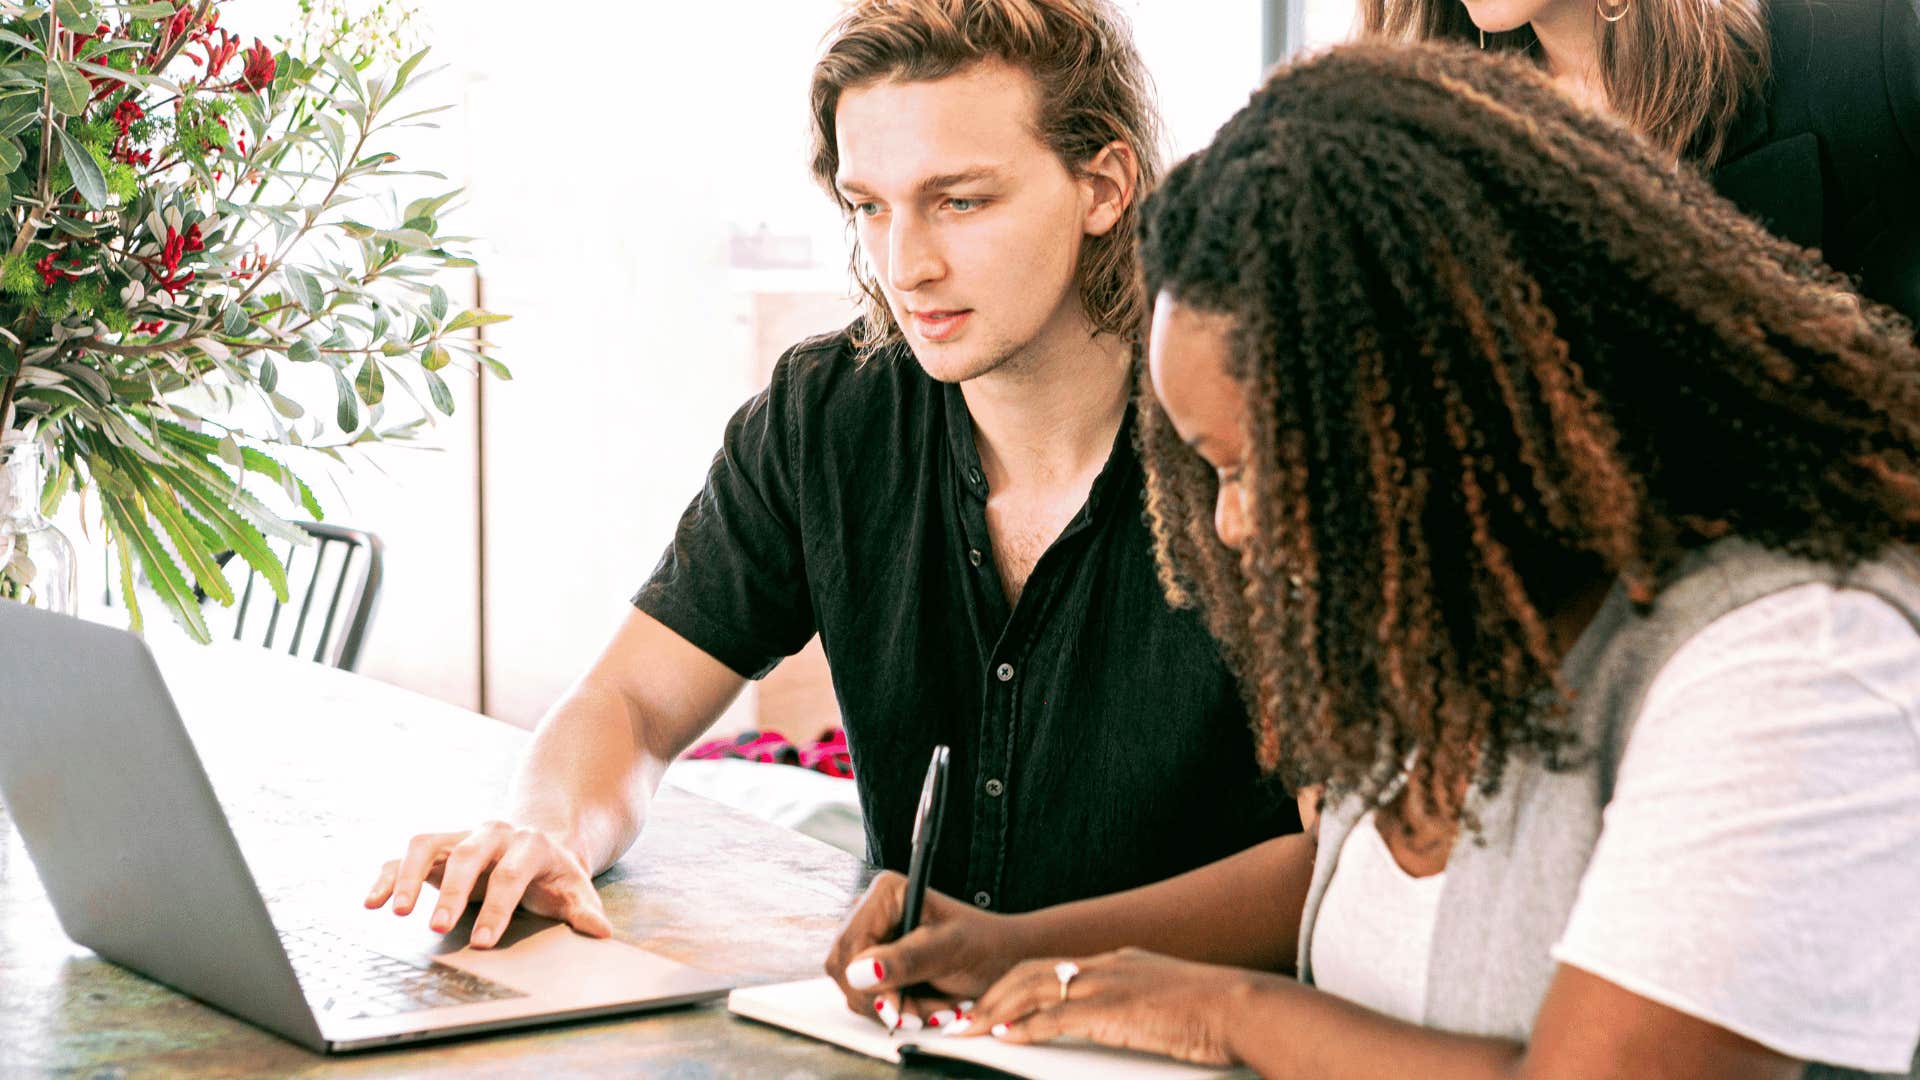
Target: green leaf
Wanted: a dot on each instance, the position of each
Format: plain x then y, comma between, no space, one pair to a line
73,227
162,572
269,374
235,531
302,352
370,385
474,318
237,498
18,113
406,69
428,207
437,387
437,303
244,457
88,180
306,289
123,554
286,406
346,72
12,154
74,13
145,11
234,320
434,357
499,369
336,135
348,413
188,543
411,239
67,88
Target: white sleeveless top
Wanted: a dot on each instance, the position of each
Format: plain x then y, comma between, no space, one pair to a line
1373,938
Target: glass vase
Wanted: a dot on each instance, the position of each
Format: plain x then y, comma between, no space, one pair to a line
37,563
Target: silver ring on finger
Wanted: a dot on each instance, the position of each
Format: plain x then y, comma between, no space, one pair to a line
1065,970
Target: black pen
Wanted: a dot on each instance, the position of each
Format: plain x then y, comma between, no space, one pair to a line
926,836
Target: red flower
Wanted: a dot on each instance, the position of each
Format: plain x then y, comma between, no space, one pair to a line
178,244
218,51
50,274
258,74
125,113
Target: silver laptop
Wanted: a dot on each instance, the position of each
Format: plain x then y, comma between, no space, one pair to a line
100,778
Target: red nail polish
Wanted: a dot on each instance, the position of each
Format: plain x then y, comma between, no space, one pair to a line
933,1021
877,1003
880,969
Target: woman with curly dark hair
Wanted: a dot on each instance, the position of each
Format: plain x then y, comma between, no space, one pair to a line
1554,517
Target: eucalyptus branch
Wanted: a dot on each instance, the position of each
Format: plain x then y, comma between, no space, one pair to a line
6,399
30,226
305,227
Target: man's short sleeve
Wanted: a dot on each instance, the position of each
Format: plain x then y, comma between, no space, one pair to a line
734,580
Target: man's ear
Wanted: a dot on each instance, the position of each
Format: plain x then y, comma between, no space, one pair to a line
1110,178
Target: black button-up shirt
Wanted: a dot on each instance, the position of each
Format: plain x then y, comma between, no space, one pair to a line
1098,742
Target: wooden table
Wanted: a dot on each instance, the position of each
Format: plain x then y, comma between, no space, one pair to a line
324,775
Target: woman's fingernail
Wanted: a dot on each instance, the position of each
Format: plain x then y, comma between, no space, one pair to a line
999,1031
889,1014
910,1022
958,1027
965,1007
941,1016
865,974
481,937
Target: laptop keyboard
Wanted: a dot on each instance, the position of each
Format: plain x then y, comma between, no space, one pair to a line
345,978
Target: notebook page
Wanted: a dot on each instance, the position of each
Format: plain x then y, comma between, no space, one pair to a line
814,1007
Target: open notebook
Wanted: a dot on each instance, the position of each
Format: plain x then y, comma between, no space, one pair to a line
814,1007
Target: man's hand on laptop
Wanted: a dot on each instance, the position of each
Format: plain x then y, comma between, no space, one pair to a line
502,865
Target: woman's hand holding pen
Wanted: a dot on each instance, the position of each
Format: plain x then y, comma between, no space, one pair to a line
958,950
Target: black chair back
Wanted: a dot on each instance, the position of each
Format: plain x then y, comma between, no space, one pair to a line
332,585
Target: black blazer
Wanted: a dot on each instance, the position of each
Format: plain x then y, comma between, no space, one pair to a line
1829,157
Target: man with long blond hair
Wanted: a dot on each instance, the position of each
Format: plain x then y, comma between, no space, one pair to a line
947,493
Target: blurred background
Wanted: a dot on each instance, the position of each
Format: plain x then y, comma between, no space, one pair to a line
636,177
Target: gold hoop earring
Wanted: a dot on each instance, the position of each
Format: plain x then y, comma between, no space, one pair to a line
1618,14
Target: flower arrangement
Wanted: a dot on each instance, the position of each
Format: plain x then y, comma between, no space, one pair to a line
176,239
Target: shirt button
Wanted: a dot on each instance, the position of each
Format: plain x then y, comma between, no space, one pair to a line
1004,673
973,556
981,899
995,787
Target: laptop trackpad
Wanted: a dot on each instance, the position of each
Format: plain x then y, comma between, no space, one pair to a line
539,956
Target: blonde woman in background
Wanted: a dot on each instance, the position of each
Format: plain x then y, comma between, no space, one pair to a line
1804,113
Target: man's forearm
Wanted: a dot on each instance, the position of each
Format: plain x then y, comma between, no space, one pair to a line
589,775
1243,910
